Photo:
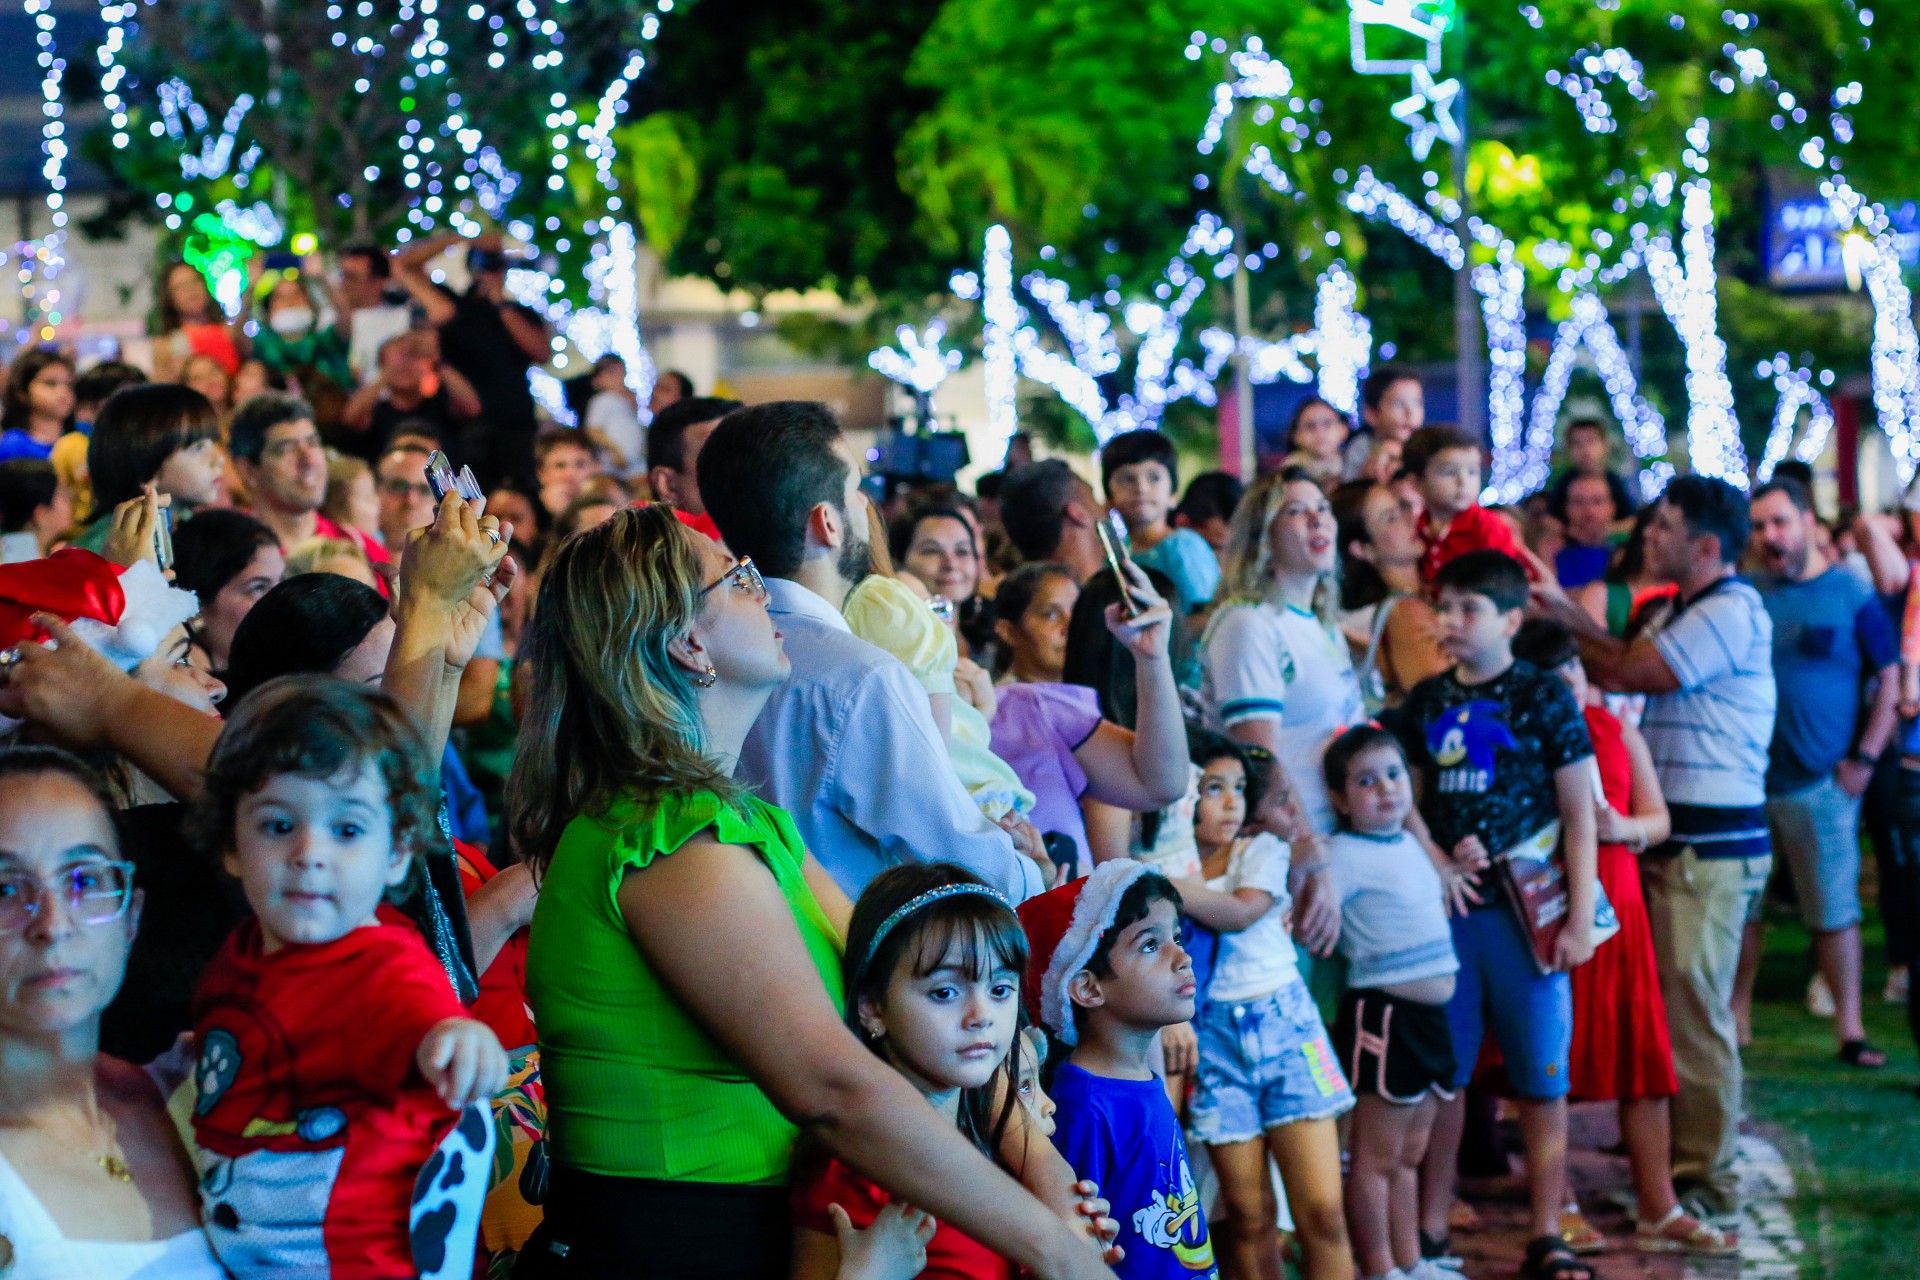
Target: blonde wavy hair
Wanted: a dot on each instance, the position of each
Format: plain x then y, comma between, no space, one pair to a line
610,714
1247,569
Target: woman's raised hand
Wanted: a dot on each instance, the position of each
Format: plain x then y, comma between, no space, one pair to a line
459,567
1145,635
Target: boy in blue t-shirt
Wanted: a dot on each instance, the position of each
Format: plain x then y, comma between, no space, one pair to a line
1501,754
1106,973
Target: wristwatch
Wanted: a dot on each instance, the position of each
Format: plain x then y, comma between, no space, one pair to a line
1860,757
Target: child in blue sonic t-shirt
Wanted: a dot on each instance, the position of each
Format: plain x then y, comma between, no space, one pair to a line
1106,974
1501,754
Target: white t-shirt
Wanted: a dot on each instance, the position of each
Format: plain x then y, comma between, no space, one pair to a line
613,415
1258,960
1272,662
1709,737
372,327
1393,914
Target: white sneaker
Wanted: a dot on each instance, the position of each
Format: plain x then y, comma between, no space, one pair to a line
1432,1269
1897,981
1820,997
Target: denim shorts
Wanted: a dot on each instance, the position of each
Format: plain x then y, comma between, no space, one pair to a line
1531,1012
1817,830
1263,1064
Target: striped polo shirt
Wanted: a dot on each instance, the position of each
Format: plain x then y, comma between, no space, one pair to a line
1709,737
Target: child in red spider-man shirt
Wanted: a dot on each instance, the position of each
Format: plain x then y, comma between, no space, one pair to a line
340,1123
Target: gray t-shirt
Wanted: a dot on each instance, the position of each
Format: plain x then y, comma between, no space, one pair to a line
1709,737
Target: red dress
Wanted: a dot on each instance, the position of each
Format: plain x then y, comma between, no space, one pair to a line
1620,1045
820,1180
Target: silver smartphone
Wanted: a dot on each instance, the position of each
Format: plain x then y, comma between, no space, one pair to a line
442,479
1113,542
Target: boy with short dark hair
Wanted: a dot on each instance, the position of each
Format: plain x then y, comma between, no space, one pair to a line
1502,755
1106,973
1444,462
1141,474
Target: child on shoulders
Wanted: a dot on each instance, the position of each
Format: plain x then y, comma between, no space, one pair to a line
1444,462
341,1124
1391,1031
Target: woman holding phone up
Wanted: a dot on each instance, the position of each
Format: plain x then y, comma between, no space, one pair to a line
1068,755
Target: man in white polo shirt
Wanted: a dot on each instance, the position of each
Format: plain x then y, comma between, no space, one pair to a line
1708,724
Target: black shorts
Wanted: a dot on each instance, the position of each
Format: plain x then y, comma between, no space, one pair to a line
1393,1048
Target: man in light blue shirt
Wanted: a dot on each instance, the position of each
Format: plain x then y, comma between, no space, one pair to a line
848,745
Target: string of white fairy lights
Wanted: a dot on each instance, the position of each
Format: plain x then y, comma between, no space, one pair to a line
42,259
1795,389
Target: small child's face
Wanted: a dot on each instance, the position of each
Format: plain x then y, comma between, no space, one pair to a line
1151,984
1321,431
1402,411
1472,626
1379,794
1032,1096
1587,450
952,1028
1142,492
1451,482
314,855
1222,807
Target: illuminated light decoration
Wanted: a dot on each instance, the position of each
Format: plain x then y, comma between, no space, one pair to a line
1423,21
1796,393
918,363
113,75
1645,429
1412,112
53,146
1343,338
1592,69
1894,357
1519,458
1001,316
1685,283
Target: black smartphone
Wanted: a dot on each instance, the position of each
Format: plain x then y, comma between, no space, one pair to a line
1062,850
163,538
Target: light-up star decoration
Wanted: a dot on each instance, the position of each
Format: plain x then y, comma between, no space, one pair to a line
1412,111
917,363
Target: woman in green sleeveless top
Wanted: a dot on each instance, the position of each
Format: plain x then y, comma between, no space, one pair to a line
684,965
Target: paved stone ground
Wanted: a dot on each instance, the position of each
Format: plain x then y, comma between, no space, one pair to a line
1768,1245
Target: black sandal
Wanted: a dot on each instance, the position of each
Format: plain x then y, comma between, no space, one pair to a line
1436,1248
1858,1053
1548,1258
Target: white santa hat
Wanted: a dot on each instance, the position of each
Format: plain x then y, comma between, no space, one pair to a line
1064,927
122,613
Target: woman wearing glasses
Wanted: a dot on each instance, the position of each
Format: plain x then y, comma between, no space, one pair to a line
93,1179
685,955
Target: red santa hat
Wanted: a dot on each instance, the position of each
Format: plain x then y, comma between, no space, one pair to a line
123,613
1064,927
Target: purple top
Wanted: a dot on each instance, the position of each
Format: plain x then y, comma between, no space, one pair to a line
1036,728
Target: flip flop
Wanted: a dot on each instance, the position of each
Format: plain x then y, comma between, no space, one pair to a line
1858,1053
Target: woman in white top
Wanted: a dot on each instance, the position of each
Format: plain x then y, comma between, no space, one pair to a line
94,1183
1277,673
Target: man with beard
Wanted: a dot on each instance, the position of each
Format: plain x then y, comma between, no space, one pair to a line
848,744
1831,638
277,452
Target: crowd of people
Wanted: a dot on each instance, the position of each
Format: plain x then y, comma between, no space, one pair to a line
673,863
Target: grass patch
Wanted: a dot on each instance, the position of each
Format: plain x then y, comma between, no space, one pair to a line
1852,1137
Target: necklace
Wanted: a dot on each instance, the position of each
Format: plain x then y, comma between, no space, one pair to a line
115,1167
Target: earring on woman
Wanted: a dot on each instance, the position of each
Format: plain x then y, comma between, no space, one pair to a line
706,678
